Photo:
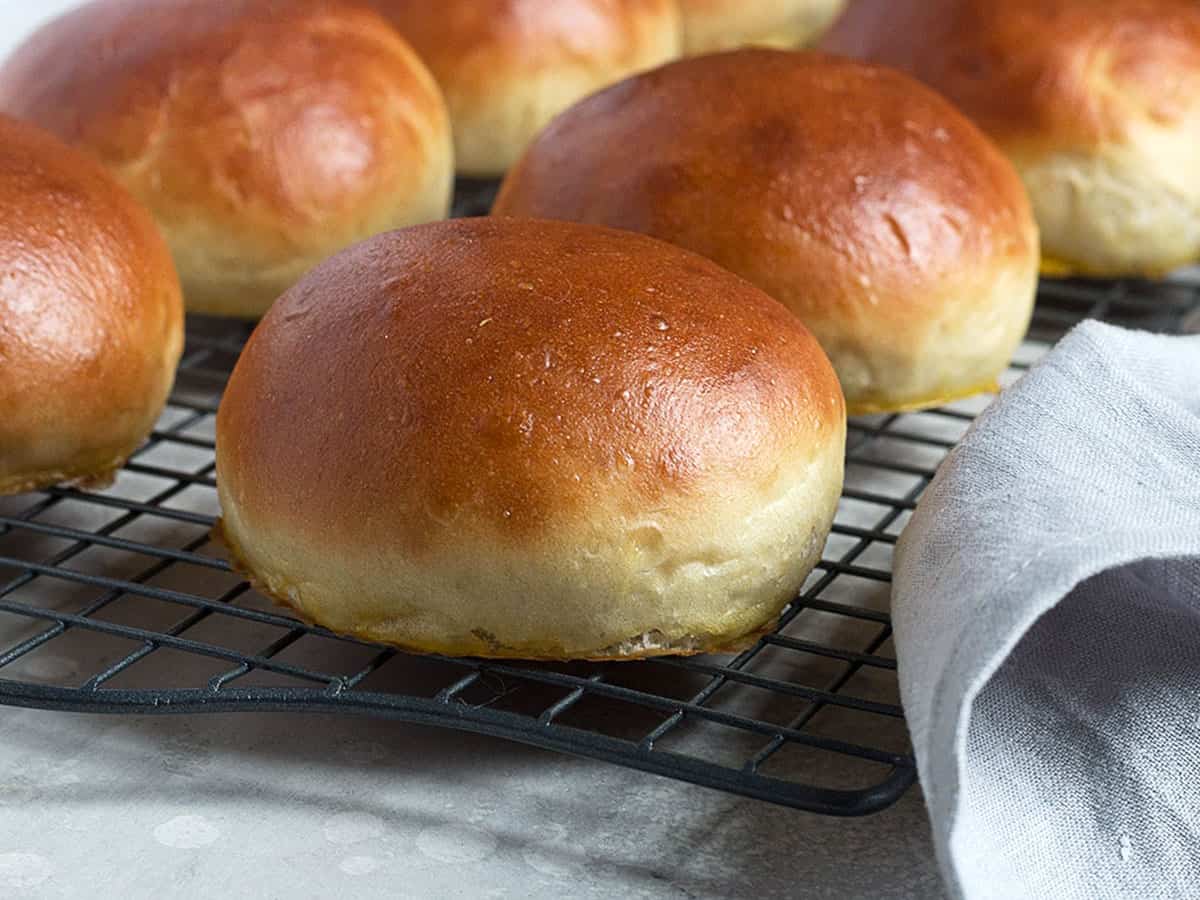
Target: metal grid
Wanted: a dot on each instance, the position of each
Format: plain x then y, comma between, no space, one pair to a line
117,601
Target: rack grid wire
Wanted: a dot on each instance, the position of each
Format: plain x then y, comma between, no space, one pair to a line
118,601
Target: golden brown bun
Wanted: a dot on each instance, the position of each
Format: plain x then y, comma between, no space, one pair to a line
1097,102
507,67
712,25
264,135
860,199
530,439
91,319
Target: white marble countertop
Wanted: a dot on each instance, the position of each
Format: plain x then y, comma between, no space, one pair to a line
281,805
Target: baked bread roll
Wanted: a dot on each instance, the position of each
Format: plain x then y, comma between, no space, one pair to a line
530,439
1097,102
712,25
860,199
91,318
507,67
264,135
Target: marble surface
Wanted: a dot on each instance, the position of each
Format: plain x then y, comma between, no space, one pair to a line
274,805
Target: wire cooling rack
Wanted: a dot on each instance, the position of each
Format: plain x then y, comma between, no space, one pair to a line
117,601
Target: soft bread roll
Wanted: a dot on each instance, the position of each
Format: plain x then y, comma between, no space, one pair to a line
264,135
507,67
530,439
711,25
863,201
91,318
1097,102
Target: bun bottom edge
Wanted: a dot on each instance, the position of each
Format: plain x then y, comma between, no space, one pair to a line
90,477
695,645
1059,267
870,406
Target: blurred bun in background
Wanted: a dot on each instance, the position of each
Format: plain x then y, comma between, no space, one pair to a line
1097,102
509,66
263,135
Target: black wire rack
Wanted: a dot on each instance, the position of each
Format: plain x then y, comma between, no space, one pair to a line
117,601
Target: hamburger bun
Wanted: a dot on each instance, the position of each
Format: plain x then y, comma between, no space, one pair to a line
530,439
263,135
860,199
1096,103
507,67
91,318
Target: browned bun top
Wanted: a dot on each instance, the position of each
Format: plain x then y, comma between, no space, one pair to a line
847,190
263,134
511,375
90,313
1057,71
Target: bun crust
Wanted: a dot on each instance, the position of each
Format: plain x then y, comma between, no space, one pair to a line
712,25
863,201
1097,104
583,444
264,135
91,320
507,67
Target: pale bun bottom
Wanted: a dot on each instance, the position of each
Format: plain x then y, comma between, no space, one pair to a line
960,352
708,579
1115,214
88,475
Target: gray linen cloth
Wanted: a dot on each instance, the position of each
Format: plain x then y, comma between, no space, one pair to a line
1047,618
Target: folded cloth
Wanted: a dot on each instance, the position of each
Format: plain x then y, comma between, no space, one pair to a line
1047,625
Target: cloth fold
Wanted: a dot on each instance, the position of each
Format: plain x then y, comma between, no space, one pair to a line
1047,618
